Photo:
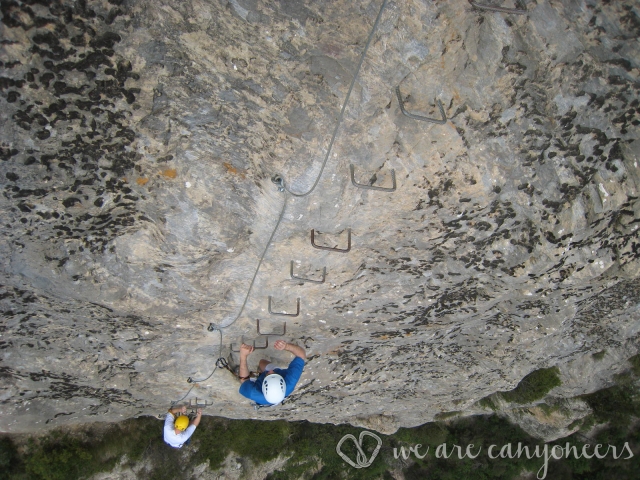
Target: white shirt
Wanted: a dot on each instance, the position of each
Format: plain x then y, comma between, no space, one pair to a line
170,436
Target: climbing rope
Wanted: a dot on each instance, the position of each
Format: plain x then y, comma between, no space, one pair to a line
280,182
284,206
185,396
190,380
222,363
213,327
344,106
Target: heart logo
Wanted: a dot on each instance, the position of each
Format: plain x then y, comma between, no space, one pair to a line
361,457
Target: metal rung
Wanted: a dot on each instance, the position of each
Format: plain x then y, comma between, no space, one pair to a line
286,314
515,11
197,404
420,117
284,329
266,344
334,249
293,277
371,187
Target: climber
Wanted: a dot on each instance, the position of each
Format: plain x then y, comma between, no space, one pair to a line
178,431
273,383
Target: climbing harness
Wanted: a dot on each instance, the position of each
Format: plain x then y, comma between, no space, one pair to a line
222,363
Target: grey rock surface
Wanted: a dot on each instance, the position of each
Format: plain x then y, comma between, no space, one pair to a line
139,140
551,423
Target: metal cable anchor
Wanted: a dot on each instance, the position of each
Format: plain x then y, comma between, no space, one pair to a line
284,329
371,187
515,11
420,117
334,249
286,314
293,277
279,181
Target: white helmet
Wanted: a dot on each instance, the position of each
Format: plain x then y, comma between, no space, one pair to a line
274,388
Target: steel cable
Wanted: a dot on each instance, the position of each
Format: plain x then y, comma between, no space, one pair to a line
344,105
282,187
213,327
284,206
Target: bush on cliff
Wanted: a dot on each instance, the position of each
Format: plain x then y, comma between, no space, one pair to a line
534,386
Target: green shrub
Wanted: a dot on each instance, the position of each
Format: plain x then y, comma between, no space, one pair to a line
481,431
599,355
576,423
260,444
58,457
616,405
487,402
548,409
8,457
310,449
431,434
587,423
445,415
311,445
534,386
635,364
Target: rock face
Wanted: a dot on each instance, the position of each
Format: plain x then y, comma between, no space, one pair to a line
139,139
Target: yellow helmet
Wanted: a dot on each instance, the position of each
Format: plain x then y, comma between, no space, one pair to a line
182,422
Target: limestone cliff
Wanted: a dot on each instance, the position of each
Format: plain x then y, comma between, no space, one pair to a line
139,139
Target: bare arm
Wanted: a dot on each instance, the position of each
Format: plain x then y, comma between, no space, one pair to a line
175,410
296,350
196,421
291,347
245,350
